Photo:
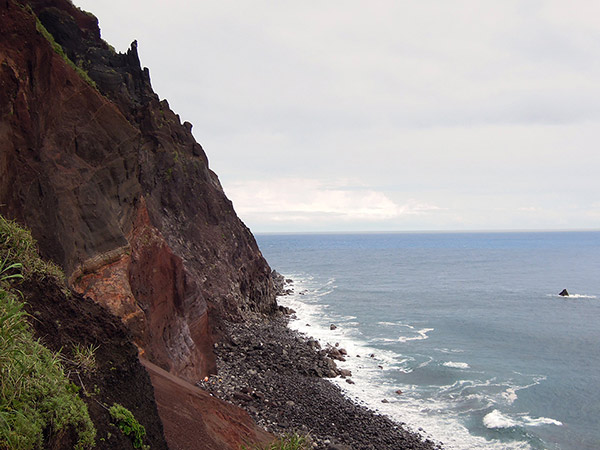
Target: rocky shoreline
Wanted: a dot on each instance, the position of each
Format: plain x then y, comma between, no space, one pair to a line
276,375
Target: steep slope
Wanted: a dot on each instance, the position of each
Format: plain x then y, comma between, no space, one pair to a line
117,191
64,323
91,363
180,404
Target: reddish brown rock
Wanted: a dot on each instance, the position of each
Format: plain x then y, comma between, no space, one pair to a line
117,191
194,420
178,337
119,194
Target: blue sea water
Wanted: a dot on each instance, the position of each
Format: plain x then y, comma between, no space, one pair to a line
468,326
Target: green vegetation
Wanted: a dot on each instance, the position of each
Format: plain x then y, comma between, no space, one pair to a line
6,269
290,441
36,398
84,357
17,245
128,425
58,49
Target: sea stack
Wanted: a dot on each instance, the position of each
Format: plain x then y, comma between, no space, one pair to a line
564,293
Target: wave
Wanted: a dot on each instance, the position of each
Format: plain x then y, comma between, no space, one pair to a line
496,419
541,421
449,350
422,334
456,365
510,395
329,282
381,376
572,296
322,294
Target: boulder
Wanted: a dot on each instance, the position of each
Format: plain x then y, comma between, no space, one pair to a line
314,344
564,293
345,373
334,353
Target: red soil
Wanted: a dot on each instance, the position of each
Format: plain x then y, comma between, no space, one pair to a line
195,420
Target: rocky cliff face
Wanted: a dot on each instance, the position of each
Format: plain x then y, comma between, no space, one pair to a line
117,191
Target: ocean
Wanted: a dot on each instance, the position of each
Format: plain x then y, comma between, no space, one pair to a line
468,326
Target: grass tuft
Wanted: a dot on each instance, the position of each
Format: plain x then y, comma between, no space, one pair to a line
35,394
19,247
84,357
36,398
289,441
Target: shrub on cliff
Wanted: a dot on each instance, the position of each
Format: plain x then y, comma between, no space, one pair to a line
129,425
290,441
37,401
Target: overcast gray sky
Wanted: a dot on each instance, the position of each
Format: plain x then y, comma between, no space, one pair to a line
383,115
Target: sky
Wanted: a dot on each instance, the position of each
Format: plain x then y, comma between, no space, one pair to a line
383,115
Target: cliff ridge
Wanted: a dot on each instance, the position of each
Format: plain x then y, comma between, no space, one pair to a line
117,191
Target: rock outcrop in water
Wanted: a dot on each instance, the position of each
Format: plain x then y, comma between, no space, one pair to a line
564,293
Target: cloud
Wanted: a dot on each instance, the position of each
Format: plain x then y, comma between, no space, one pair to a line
482,107
530,209
300,200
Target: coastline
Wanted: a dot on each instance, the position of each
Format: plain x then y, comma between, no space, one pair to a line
277,375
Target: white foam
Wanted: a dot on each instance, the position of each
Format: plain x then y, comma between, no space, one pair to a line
322,294
415,407
495,419
456,365
510,395
431,414
449,350
421,335
540,421
567,297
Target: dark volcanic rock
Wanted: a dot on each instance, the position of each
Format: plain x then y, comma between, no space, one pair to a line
282,286
117,191
119,194
564,293
278,372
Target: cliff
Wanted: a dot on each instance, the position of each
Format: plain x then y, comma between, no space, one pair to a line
118,193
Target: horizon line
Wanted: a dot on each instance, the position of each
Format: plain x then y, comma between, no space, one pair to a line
465,231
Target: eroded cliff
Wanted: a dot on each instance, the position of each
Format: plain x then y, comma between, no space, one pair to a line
117,191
